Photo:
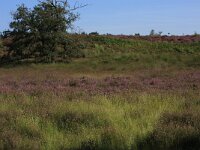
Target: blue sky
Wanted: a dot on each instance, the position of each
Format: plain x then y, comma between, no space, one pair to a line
126,16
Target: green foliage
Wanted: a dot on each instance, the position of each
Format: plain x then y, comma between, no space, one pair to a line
40,33
118,54
94,33
107,53
2,48
180,130
136,119
47,121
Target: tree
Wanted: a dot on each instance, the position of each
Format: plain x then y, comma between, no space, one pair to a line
160,33
40,33
152,33
94,33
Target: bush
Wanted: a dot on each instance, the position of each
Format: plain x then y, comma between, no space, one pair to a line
1,47
176,131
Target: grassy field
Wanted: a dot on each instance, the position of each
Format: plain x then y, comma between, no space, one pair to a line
124,94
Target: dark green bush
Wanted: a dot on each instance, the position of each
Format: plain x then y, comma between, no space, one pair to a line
176,131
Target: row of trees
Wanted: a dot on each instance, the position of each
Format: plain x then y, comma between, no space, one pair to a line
40,33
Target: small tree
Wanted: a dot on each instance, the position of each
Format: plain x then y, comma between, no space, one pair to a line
160,33
40,33
152,33
94,33
196,34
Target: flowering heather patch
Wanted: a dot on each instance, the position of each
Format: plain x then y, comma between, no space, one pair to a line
106,85
176,39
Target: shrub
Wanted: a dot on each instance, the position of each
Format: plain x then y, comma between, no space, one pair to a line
176,131
1,47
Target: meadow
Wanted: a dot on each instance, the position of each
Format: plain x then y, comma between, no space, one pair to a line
117,93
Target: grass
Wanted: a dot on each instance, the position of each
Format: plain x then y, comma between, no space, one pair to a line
132,119
113,54
121,121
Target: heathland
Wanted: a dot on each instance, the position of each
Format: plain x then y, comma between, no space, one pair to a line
117,92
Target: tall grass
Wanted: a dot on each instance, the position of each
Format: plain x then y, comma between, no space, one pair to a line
52,122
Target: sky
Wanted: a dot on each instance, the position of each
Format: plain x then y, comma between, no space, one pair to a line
125,16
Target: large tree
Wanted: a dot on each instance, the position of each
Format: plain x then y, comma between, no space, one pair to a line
40,33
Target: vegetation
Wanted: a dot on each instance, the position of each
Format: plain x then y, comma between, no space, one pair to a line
128,121
1,47
124,94
104,53
40,33
118,92
116,54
